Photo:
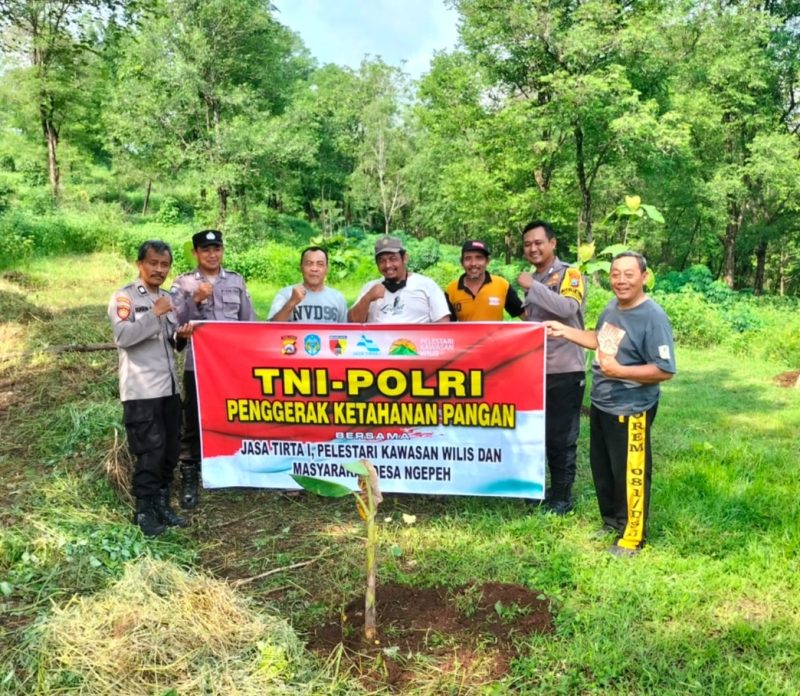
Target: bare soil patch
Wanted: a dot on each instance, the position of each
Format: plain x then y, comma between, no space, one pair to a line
456,629
788,379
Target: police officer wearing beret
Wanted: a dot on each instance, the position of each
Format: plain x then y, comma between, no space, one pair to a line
145,331
208,293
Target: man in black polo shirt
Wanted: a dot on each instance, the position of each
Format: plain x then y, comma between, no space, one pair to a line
477,295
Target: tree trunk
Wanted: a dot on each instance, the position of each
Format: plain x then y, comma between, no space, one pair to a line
147,196
585,218
51,134
223,201
729,243
761,262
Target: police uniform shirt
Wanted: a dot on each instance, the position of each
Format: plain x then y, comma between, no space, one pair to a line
494,295
144,343
229,300
559,293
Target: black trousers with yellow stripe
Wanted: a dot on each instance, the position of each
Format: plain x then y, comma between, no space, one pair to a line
622,464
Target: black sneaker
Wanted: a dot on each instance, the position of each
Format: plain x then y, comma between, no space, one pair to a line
560,507
622,552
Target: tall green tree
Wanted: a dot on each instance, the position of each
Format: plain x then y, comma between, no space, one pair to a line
198,88
50,42
378,183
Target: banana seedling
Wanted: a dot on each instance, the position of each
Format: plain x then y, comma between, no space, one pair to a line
367,497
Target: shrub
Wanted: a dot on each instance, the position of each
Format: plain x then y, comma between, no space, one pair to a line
272,263
422,254
695,321
443,272
6,193
7,163
597,297
169,212
33,172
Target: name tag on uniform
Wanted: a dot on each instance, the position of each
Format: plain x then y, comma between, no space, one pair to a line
494,301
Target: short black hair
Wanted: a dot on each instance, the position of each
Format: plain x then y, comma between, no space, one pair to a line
548,228
157,246
633,255
312,248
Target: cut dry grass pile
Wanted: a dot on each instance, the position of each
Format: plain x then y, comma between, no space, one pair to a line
162,628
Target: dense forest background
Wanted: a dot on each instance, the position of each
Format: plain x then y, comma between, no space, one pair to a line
215,113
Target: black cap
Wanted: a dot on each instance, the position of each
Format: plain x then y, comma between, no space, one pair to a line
474,245
205,238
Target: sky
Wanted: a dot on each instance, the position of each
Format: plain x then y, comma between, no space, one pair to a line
343,32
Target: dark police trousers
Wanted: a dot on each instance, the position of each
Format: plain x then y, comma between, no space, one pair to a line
190,432
153,429
562,427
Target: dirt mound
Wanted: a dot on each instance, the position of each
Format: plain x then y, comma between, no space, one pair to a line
471,629
788,379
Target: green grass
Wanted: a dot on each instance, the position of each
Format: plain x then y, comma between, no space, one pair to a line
711,606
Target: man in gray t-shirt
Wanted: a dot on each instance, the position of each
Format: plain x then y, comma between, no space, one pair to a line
635,353
310,301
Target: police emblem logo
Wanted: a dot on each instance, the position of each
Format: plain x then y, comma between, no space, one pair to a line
338,344
123,307
289,345
210,235
312,344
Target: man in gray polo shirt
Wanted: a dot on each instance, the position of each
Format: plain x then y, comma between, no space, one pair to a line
208,293
635,353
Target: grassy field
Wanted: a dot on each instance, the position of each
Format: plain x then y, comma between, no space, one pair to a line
710,607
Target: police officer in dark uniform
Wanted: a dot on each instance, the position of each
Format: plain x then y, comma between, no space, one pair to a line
145,331
208,293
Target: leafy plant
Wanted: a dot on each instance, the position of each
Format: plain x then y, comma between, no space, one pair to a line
368,497
633,210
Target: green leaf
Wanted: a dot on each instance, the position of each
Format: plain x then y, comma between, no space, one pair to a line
585,252
650,283
5,588
613,250
633,202
396,551
327,489
356,468
595,266
652,213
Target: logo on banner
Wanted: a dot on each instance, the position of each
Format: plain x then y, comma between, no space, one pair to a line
312,344
402,346
368,346
338,344
289,346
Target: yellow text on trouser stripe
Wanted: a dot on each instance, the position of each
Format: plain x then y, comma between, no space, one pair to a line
634,485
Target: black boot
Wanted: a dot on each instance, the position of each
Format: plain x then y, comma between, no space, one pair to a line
165,512
189,480
146,517
559,500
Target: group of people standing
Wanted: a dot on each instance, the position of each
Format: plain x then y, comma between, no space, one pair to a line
633,342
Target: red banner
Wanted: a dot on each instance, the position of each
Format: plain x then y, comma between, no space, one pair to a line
438,408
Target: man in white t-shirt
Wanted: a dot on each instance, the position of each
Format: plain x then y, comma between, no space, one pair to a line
400,297
311,301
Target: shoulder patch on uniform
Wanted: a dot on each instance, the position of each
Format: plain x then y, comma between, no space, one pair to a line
123,303
572,285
